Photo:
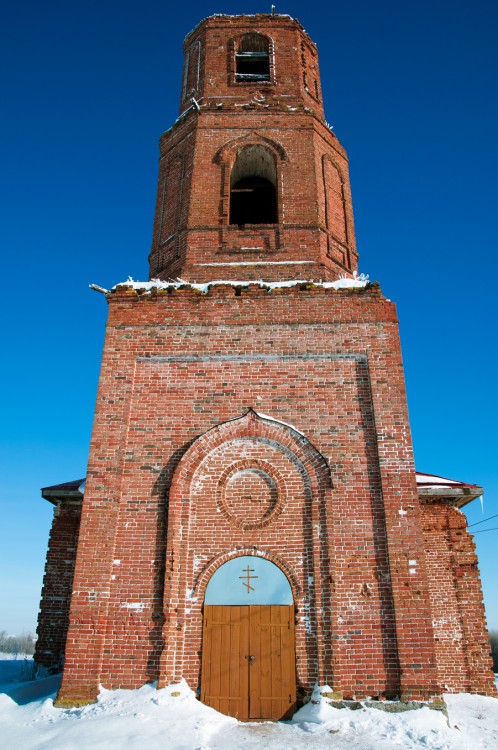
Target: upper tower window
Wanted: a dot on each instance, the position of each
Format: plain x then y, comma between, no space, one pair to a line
253,193
252,59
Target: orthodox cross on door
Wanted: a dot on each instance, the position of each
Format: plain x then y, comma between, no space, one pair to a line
248,578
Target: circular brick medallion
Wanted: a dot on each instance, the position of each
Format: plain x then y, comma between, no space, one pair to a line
250,496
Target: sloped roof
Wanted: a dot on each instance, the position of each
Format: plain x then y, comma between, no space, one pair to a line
434,488
66,490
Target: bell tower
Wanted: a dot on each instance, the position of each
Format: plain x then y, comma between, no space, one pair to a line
253,184
251,506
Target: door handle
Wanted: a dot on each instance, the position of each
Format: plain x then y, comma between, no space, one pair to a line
251,658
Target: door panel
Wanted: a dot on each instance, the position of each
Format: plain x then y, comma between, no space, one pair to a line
224,682
272,685
261,687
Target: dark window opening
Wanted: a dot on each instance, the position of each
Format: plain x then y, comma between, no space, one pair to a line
252,59
253,200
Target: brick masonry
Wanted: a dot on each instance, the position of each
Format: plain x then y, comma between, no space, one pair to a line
173,421
186,471
57,585
462,643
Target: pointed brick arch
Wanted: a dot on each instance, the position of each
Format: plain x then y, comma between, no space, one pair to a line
252,425
229,151
226,156
285,456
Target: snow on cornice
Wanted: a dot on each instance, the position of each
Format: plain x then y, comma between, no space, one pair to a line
434,480
357,282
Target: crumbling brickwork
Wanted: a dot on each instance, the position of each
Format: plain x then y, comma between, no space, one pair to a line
57,585
461,640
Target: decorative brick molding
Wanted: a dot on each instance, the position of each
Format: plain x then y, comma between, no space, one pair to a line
301,476
259,481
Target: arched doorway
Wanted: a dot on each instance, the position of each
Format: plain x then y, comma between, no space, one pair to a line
248,644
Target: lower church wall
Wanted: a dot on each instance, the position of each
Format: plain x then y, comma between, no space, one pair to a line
461,641
345,565
327,362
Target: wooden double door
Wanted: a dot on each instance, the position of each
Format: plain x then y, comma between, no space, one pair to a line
248,661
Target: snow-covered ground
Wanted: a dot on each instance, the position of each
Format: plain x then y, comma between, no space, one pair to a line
172,719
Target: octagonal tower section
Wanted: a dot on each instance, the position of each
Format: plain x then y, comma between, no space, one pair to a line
253,184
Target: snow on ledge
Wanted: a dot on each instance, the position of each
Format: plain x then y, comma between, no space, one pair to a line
356,282
433,480
278,421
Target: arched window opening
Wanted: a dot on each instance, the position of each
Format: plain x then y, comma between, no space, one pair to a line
248,580
253,193
252,59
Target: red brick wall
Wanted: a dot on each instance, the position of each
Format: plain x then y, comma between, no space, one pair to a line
176,365
462,643
53,619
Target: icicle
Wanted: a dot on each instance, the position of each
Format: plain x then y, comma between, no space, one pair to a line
482,503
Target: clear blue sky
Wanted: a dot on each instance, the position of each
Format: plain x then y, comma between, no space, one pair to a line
410,89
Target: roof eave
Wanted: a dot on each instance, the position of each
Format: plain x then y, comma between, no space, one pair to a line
455,496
